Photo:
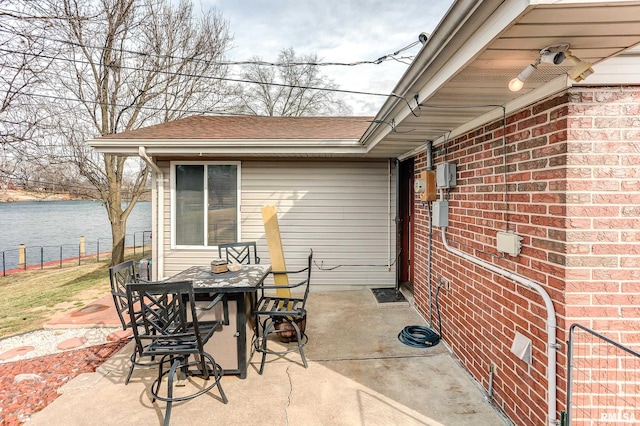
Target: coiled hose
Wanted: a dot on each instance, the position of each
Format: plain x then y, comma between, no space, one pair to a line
418,336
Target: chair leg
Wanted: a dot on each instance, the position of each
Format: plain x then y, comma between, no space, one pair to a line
134,357
267,325
172,372
155,386
299,338
217,375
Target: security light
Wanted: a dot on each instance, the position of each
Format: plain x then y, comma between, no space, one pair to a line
555,55
518,83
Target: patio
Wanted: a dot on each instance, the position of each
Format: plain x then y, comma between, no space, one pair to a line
359,373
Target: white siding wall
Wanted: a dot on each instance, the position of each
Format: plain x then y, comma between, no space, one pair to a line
338,208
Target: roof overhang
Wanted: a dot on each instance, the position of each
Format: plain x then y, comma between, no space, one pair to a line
460,76
231,147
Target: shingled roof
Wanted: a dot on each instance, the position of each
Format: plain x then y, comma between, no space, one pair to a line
252,127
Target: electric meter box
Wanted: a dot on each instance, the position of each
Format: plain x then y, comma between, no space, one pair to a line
446,175
425,185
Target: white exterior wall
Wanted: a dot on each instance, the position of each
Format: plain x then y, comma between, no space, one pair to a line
343,210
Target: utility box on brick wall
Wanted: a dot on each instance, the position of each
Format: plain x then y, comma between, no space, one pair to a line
441,213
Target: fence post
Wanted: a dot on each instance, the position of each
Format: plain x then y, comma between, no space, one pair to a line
4,269
98,250
82,248
134,243
60,257
41,258
22,256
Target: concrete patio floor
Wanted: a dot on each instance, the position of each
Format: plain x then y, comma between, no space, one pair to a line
359,374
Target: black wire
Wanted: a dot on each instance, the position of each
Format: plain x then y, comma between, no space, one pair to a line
331,268
205,77
419,336
388,57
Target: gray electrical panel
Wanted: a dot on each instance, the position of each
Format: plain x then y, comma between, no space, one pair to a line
440,215
446,175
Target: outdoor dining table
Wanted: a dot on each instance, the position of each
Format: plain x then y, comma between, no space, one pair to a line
240,290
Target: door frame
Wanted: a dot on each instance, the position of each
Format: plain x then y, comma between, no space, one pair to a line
404,221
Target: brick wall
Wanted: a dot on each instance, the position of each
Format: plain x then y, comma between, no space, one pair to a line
566,178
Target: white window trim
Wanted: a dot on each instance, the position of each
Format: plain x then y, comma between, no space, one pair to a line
172,206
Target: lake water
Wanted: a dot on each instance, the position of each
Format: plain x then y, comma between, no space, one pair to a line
46,226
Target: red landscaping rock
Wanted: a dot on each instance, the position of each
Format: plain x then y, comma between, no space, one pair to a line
20,399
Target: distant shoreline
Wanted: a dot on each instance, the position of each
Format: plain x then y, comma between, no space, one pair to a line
12,195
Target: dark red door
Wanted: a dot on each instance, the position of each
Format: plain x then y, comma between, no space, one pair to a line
405,220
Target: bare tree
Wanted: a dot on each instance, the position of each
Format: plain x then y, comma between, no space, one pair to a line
22,65
127,64
290,89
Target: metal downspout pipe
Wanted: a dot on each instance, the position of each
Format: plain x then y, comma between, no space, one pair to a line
142,152
429,155
552,346
397,223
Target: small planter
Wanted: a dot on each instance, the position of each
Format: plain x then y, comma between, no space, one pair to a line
285,329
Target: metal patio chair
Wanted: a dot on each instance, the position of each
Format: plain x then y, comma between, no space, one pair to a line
239,252
120,276
283,316
170,331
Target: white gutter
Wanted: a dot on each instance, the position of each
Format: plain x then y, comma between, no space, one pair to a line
551,322
158,262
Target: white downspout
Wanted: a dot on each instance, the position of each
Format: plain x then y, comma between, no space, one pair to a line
159,199
551,321
389,216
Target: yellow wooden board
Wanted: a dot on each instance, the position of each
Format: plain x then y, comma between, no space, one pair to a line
276,253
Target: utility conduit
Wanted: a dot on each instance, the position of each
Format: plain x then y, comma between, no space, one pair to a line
159,240
551,321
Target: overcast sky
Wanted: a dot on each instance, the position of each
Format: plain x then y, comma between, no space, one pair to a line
337,31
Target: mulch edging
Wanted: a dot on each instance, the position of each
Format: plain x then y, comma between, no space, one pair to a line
40,378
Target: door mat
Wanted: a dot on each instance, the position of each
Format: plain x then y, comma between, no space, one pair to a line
388,295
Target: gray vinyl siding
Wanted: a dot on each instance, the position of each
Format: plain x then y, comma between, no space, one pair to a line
339,209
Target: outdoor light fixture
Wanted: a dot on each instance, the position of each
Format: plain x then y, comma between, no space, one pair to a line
555,55
517,83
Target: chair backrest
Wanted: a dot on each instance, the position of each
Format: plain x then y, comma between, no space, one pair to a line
308,279
166,328
239,252
119,276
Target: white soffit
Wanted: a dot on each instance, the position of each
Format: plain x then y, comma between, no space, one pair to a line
467,83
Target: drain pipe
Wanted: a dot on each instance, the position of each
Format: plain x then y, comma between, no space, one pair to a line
551,321
429,166
142,152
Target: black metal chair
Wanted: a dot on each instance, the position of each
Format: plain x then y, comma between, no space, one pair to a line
239,252
171,331
283,316
120,276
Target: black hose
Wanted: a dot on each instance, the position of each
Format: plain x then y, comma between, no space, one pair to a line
418,336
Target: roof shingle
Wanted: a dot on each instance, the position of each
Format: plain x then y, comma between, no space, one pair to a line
252,127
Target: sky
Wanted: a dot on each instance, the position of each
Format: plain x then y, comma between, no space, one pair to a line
337,31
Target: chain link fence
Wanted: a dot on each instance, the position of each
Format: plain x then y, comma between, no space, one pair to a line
603,381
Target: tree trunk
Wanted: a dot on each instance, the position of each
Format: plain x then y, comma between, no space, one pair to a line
114,165
118,232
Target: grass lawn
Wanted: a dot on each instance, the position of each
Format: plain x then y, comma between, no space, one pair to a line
33,297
